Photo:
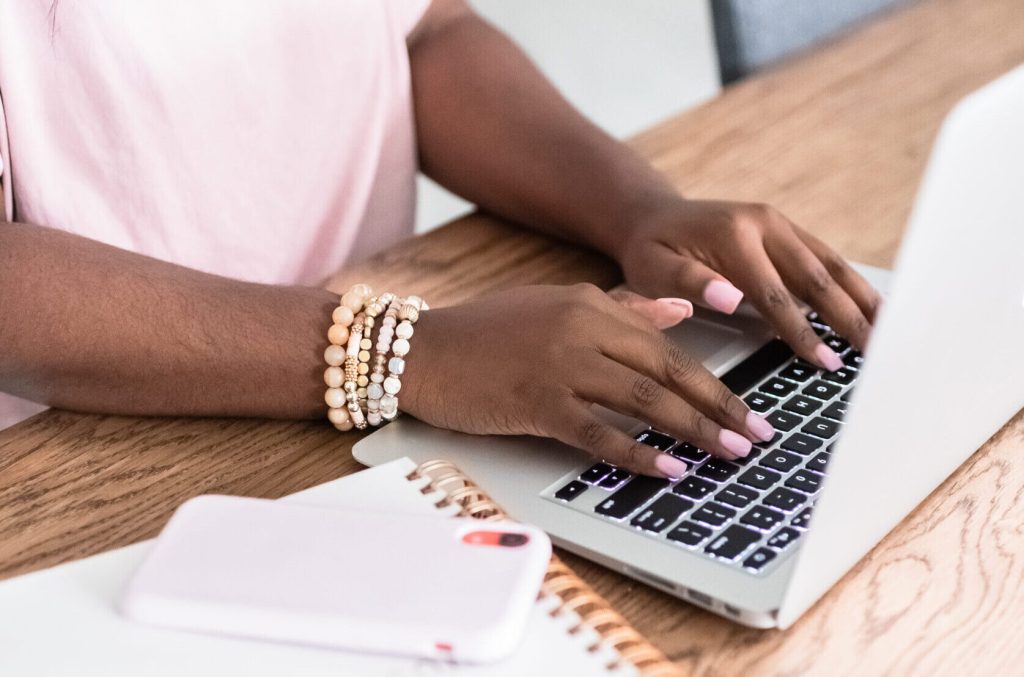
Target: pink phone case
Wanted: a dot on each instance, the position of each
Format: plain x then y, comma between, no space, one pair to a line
430,586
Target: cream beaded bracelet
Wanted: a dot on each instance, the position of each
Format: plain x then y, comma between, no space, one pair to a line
350,383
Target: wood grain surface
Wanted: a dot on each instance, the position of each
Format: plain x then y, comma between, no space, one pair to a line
837,139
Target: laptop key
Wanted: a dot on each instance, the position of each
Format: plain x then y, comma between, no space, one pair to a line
762,517
749,458
798,371
806,481
694,487
783,421
689,533
737,495
802,520
718,470
760,402
822,427
665,510
690,453
801,444
614,478
635,493
799,404
846,395
653,438
597,472
732,542
837,343
770,443
784,499
570,491
759,478
713,513
842,376
822,390
758,559
777,387
782,461
782,538
819,462
836,411
854,359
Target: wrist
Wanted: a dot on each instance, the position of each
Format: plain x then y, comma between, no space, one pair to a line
646,214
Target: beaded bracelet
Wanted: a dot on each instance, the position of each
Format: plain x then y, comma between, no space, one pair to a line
384,336
409,313
350,385
339,335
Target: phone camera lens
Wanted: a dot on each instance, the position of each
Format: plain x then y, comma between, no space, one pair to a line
513,540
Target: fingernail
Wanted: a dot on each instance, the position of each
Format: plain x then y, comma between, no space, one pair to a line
681,304
722,296
670,467
734,442
828,357
761,428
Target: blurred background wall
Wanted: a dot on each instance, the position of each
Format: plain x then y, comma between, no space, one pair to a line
627,64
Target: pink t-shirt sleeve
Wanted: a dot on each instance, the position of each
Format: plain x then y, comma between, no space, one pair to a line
407,13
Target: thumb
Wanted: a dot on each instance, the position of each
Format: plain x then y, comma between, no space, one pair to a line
664,312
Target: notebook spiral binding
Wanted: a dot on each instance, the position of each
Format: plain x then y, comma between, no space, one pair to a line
559,581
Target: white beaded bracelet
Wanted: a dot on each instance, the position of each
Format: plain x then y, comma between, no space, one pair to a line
385,334
408,313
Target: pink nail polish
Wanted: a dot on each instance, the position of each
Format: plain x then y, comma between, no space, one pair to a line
670,466
734,442
827,357
722,296
682,304
761,428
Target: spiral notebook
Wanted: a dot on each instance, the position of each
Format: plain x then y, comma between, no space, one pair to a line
62,621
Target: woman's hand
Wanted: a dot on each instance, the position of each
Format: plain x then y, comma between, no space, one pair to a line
533,360
718,253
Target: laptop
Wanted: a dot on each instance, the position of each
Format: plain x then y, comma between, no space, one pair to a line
760,540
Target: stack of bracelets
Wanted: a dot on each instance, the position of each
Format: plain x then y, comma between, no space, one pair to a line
360,393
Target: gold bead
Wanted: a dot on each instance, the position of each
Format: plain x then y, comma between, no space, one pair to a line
364,356
362,382
363,368
365,344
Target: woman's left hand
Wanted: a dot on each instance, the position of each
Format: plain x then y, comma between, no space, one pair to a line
718,253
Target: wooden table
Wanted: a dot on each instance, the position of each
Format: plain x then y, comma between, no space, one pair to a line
837,139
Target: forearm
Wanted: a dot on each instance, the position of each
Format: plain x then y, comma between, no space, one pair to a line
89,327
493,129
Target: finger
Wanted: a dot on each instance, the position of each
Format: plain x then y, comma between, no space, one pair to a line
663,313
629,392
805,274
583,429
696,280
860,290
658,358
767,292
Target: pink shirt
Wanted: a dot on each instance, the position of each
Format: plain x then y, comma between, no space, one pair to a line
269,141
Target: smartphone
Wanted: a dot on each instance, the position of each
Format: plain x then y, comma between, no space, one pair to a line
457,589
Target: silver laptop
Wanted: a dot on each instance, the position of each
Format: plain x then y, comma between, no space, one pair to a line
761,540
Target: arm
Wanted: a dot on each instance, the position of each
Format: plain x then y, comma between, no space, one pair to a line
93,328
492,129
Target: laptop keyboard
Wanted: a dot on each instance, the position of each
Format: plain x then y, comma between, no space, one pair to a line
746,513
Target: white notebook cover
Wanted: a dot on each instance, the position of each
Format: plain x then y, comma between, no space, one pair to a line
62,621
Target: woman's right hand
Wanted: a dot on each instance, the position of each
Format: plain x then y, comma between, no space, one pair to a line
533,360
